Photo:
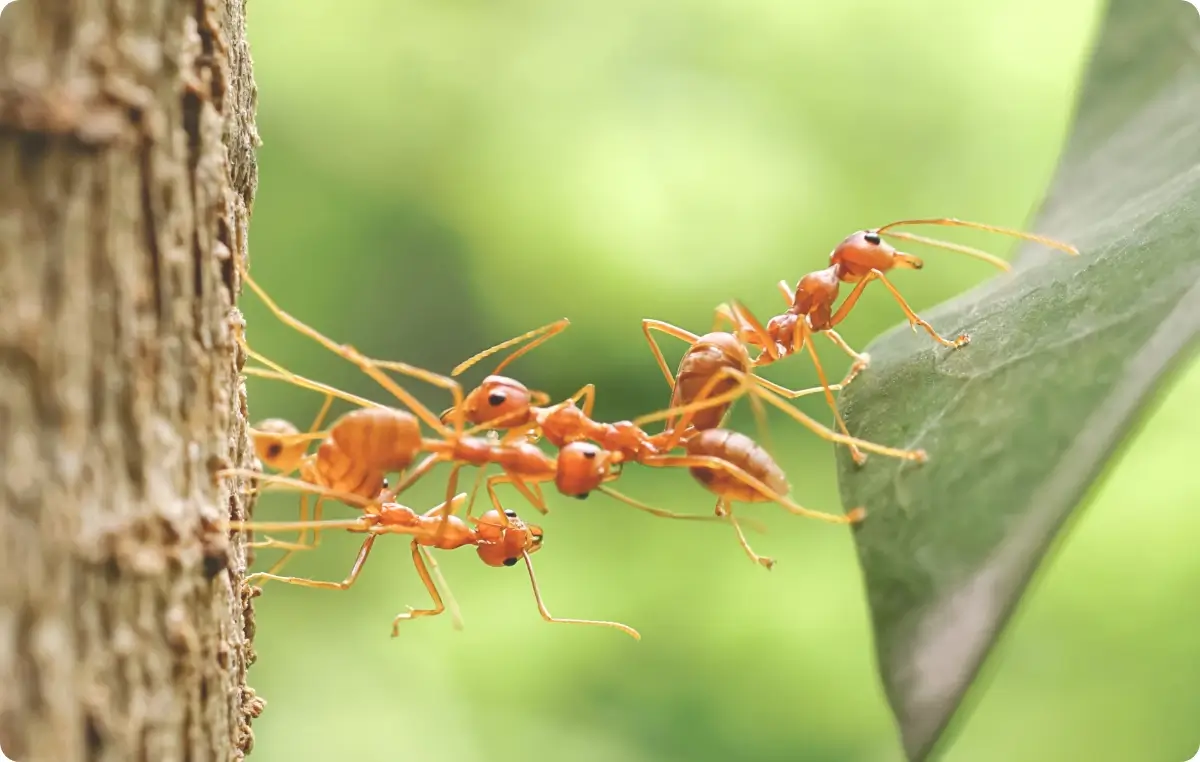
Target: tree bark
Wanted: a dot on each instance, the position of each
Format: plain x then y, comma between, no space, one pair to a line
127,173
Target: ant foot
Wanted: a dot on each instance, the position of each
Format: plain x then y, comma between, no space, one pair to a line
859,457
856,515
400,618
767,562
920,456
962,341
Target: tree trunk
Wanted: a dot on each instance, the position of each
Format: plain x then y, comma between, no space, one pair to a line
127,172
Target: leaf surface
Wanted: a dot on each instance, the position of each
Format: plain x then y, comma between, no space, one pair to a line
1065,354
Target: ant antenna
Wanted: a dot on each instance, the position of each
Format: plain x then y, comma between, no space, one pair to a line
543,334
537,596
952,222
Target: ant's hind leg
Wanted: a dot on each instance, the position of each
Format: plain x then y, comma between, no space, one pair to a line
726,510
828,434
648,325
711,463
423,572
370,366
345,584
862,360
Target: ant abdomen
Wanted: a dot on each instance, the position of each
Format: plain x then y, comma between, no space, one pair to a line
739,450
363,446
381,438
713,353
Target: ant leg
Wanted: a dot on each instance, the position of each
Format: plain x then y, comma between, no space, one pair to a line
586,396
451,490
300,544
828,434
412,613
649,325
367,365
389,495
536,500
475,492
660,512
279,373
456,619
349,498
363,552
862,360
725,508
750,330
806,339
312,429
828,389
723,318
786,290
543,334
537,596
712,463
913,319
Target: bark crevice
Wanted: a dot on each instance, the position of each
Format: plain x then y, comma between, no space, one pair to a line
127,174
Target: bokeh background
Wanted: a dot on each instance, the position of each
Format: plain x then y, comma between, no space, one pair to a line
438,177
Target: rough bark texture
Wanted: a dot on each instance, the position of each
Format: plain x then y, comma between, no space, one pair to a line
127,171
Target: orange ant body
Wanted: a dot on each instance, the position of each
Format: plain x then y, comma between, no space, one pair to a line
500,538
860,258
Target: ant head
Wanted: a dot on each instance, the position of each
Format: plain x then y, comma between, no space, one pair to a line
498,399
582,467
274,444
865,251
502,545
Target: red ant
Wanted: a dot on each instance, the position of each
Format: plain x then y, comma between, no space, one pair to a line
500,538
860,258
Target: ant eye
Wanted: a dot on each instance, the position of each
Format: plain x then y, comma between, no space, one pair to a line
589,454
510,561
496,399
872,238
511,514
385,482
274,450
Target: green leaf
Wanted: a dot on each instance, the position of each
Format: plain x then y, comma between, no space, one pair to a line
1065,354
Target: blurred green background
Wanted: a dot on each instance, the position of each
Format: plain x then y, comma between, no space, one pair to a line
438,177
